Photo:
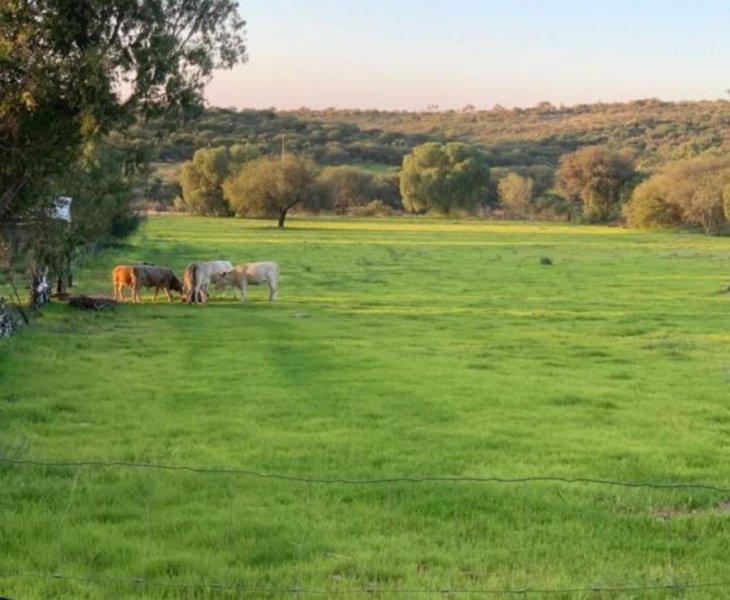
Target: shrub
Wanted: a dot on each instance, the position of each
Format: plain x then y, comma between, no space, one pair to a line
648,209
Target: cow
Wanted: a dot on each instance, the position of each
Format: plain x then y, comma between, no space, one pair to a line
253,273
197,278
160,278
122,276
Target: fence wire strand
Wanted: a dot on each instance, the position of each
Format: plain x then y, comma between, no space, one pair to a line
368,590
524,591
372,481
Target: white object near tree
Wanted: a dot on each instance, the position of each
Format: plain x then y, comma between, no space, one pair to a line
62,208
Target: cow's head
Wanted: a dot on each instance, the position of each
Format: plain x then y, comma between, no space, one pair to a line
176,285
221,279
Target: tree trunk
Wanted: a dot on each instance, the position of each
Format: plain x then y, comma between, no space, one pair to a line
282,214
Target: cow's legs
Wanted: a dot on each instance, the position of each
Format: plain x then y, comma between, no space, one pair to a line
167,293
157,291
199,294
273,290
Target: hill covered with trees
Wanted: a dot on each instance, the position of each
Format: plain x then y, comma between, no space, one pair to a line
655,132
581,162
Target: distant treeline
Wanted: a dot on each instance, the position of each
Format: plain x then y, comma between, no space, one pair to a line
576,163
655,132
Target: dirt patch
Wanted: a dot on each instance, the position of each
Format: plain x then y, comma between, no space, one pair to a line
91,302
663,514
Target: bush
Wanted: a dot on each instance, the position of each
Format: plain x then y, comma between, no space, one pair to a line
374,208
649,210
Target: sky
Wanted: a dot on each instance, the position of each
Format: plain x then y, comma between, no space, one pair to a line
409,54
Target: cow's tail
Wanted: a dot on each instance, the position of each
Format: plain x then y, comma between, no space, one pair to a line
193,297
187,283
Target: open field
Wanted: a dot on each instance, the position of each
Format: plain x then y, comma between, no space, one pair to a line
398,349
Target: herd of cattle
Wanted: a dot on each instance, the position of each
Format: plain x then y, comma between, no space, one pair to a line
196,279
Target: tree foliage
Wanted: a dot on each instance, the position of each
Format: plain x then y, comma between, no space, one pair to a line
692,192
347,187
596,179
515,193
271,186
444,177
201,181
70,71
650,209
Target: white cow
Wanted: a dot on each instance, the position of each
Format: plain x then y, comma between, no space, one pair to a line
198,275
253,273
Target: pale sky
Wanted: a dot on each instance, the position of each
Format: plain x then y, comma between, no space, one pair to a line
407,54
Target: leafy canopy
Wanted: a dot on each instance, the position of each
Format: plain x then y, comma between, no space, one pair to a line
271,186
444,177
71,70
596,179
691,192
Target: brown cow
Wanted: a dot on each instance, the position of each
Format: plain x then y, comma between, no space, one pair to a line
156,277
122,276
144,275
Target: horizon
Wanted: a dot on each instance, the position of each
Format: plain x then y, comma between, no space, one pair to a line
404,55
446,109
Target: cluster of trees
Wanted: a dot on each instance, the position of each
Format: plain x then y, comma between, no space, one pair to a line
517,139
693,192
240,181
591,185
327,143
594,185
579,163
658,132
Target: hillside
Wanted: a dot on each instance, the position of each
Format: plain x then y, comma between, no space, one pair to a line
655,132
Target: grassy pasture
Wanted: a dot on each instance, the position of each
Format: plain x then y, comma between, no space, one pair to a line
398,348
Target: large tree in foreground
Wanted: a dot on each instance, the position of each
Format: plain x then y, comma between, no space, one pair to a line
72,70
444,177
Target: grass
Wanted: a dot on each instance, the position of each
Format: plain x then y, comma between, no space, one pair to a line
399,347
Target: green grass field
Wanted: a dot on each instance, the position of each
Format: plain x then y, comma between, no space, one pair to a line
400,348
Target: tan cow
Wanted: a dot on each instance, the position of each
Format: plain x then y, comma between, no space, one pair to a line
197,278
253,273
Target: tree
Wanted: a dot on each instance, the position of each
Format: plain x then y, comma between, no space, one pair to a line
595,179
271,186
515,193
692,192
201,180
444,177
347,187
240,154
70,71
649,208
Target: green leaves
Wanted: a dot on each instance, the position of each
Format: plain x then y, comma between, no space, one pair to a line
75,69
444,177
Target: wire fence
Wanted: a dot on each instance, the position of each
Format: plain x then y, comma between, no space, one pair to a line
374,481
369,590
670,586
